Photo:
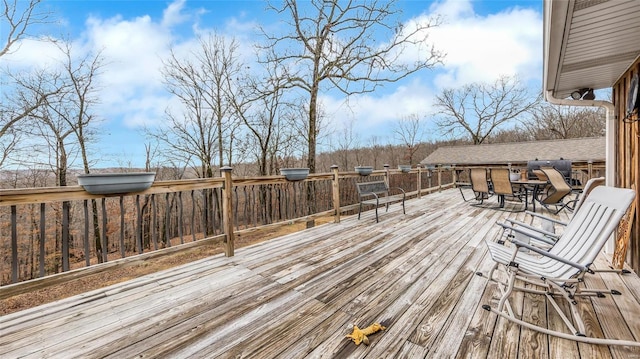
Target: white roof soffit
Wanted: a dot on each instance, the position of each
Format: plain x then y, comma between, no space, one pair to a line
588,43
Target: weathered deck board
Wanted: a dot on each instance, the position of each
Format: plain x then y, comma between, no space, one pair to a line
297,296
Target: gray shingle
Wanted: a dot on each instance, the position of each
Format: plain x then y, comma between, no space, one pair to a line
576,150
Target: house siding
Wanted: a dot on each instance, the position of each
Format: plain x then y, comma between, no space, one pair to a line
627,158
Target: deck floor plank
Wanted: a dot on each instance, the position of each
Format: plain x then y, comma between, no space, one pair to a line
298,295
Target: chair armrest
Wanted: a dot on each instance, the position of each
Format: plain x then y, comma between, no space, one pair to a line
535,229
548,255
401,190
534,214
542,239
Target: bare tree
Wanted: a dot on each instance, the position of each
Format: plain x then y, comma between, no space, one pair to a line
65,122
65,119
352,47
477,110
515,134
562,122
204,129
19,16
82,97
346,144
259,104
376,150
409,131
300,137
27,91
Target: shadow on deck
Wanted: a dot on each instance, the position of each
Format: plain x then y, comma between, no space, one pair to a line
298,295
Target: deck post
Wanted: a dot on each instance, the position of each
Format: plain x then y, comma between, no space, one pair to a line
386,174
439,178
227,207
335,185
454,173
419,185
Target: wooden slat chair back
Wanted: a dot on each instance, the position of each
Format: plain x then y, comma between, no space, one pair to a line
540,175
502,186
556,191
479,183
501,182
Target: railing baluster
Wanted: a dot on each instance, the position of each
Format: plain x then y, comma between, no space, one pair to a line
43,236
154,224
167,221
235,208
14,244
65,236
205,213
138,225
193,216
179,219
247,204
87,256
122,245
105,242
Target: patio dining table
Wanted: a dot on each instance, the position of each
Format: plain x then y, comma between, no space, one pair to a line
531,186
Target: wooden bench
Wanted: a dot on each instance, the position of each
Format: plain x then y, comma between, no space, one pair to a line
377,193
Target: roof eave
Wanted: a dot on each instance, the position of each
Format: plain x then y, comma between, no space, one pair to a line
555,22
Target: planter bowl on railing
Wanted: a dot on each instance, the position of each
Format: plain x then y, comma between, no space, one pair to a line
108,183
294,174
364,170
404,168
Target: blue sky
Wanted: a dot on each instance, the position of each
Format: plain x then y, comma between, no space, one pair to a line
482,40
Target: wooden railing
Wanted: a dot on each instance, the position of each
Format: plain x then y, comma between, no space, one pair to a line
57,233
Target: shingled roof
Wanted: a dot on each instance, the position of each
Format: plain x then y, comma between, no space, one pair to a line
576,150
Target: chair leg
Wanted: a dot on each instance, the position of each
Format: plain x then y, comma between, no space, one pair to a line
462,194
553,290
577,338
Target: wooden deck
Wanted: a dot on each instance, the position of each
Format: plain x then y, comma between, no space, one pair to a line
297,296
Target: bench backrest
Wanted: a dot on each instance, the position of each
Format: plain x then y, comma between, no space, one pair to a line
372,187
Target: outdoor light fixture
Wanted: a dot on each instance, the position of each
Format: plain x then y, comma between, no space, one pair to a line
589,95
584,94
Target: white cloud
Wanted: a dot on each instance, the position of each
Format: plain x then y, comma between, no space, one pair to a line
373,112
133,49
478,49
173,14
32,53
483,48
452,9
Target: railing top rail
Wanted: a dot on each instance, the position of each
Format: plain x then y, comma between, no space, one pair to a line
9,197
249,181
